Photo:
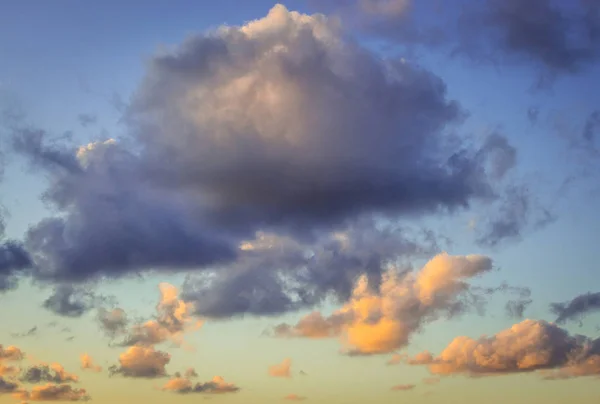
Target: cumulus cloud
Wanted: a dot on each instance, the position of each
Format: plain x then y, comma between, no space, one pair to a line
217,385
113,322
53,392
403,387
11,353
576,308
87,363
69,301
381,321
251,119
173,319
282,369
277,274
54,373
294,397
141,362
525,347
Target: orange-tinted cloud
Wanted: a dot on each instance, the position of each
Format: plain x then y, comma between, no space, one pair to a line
403,387
376,322
282,369
87,363
54,373
52,392
173,319
217,385
396,359
527,346
11,353
294,397
143,362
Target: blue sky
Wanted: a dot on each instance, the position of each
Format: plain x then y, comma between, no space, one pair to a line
65,59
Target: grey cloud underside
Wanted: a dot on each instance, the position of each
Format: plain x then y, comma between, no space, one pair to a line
13,259
6,386
291,130
576,308
69,301
559,36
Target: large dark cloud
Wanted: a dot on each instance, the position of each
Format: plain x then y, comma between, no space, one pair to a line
576,308
282,128
555,36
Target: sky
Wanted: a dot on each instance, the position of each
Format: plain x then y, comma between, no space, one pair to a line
331,201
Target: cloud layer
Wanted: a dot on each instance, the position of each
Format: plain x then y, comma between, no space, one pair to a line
381,321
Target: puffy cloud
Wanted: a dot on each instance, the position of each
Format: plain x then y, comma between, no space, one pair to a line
251,120
576,308
403,387
53,392
68,301
217,385
381,321
277,274
172,321
294,397
54,373
282,369
525,347
87,363
11,353
141,362
113,322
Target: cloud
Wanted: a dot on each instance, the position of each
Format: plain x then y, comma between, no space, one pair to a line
576,308
525,347
7,386
141,362
516,308
217,385
381,321
251,119
10,353
403,387
68,301
29,333
53,392
173,319
533,114
282,369
54,373
113,322
277,274
86,120
13,259
294,397
396,359
87,363
518,211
